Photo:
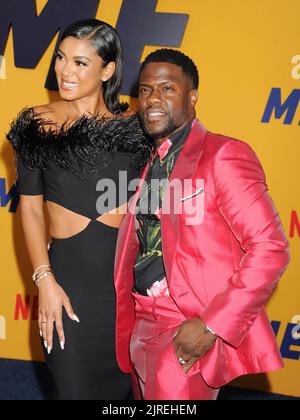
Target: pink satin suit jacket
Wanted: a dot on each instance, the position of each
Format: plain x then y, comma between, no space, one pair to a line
222,264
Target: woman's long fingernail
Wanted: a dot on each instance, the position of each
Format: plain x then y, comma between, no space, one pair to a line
41,334
62,345
75,318
45,344
49,349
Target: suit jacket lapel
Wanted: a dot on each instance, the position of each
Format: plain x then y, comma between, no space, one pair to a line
185,168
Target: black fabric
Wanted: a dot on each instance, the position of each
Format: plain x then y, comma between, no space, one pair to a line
29,181
149,270
80,148
87,368
65,166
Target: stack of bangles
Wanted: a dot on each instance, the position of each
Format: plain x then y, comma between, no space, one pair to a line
40,273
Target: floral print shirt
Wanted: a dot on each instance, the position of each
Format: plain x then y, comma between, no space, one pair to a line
149,272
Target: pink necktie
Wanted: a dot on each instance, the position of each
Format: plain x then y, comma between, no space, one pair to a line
164,148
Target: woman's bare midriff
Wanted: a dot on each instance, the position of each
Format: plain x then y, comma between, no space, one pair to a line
65,223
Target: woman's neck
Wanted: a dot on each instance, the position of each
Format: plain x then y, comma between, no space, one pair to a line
89,106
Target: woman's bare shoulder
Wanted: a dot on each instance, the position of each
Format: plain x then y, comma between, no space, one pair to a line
47,111
52,114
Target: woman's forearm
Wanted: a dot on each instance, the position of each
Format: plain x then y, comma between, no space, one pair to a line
34,227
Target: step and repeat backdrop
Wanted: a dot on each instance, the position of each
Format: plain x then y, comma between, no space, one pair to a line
248,56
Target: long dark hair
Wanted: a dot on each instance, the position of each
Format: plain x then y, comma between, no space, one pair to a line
105,39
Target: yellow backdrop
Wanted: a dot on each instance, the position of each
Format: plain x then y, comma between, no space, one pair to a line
248,55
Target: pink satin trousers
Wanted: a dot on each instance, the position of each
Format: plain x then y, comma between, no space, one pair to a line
157,373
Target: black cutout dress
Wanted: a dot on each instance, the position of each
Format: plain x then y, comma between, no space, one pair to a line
66,166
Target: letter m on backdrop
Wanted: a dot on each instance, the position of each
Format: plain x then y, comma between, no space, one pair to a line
275,105
11,196
32,34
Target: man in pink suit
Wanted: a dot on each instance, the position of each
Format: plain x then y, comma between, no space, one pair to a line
199,253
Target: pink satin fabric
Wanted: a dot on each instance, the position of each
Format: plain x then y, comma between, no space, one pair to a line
164,148
157,373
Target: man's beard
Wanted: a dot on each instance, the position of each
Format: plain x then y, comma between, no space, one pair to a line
171,127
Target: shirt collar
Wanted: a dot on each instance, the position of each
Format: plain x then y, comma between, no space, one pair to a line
174,141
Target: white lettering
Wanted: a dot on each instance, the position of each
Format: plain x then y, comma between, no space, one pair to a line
296,329
123,411
2,67
2,328
296,69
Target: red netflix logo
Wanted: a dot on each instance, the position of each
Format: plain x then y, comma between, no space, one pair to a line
26,308
295,225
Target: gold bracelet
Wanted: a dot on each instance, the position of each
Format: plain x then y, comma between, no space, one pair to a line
40,273
41,277
38,268
37,273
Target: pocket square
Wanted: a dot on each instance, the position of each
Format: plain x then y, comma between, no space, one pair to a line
188,197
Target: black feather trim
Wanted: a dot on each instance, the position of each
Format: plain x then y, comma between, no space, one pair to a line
82,147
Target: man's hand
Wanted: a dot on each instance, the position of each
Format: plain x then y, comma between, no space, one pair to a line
192,341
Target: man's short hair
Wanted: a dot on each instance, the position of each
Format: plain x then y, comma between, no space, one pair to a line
166,55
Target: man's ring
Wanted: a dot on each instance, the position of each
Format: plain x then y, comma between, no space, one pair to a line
181,361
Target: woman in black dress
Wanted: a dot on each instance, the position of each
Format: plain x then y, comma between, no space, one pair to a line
65,153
